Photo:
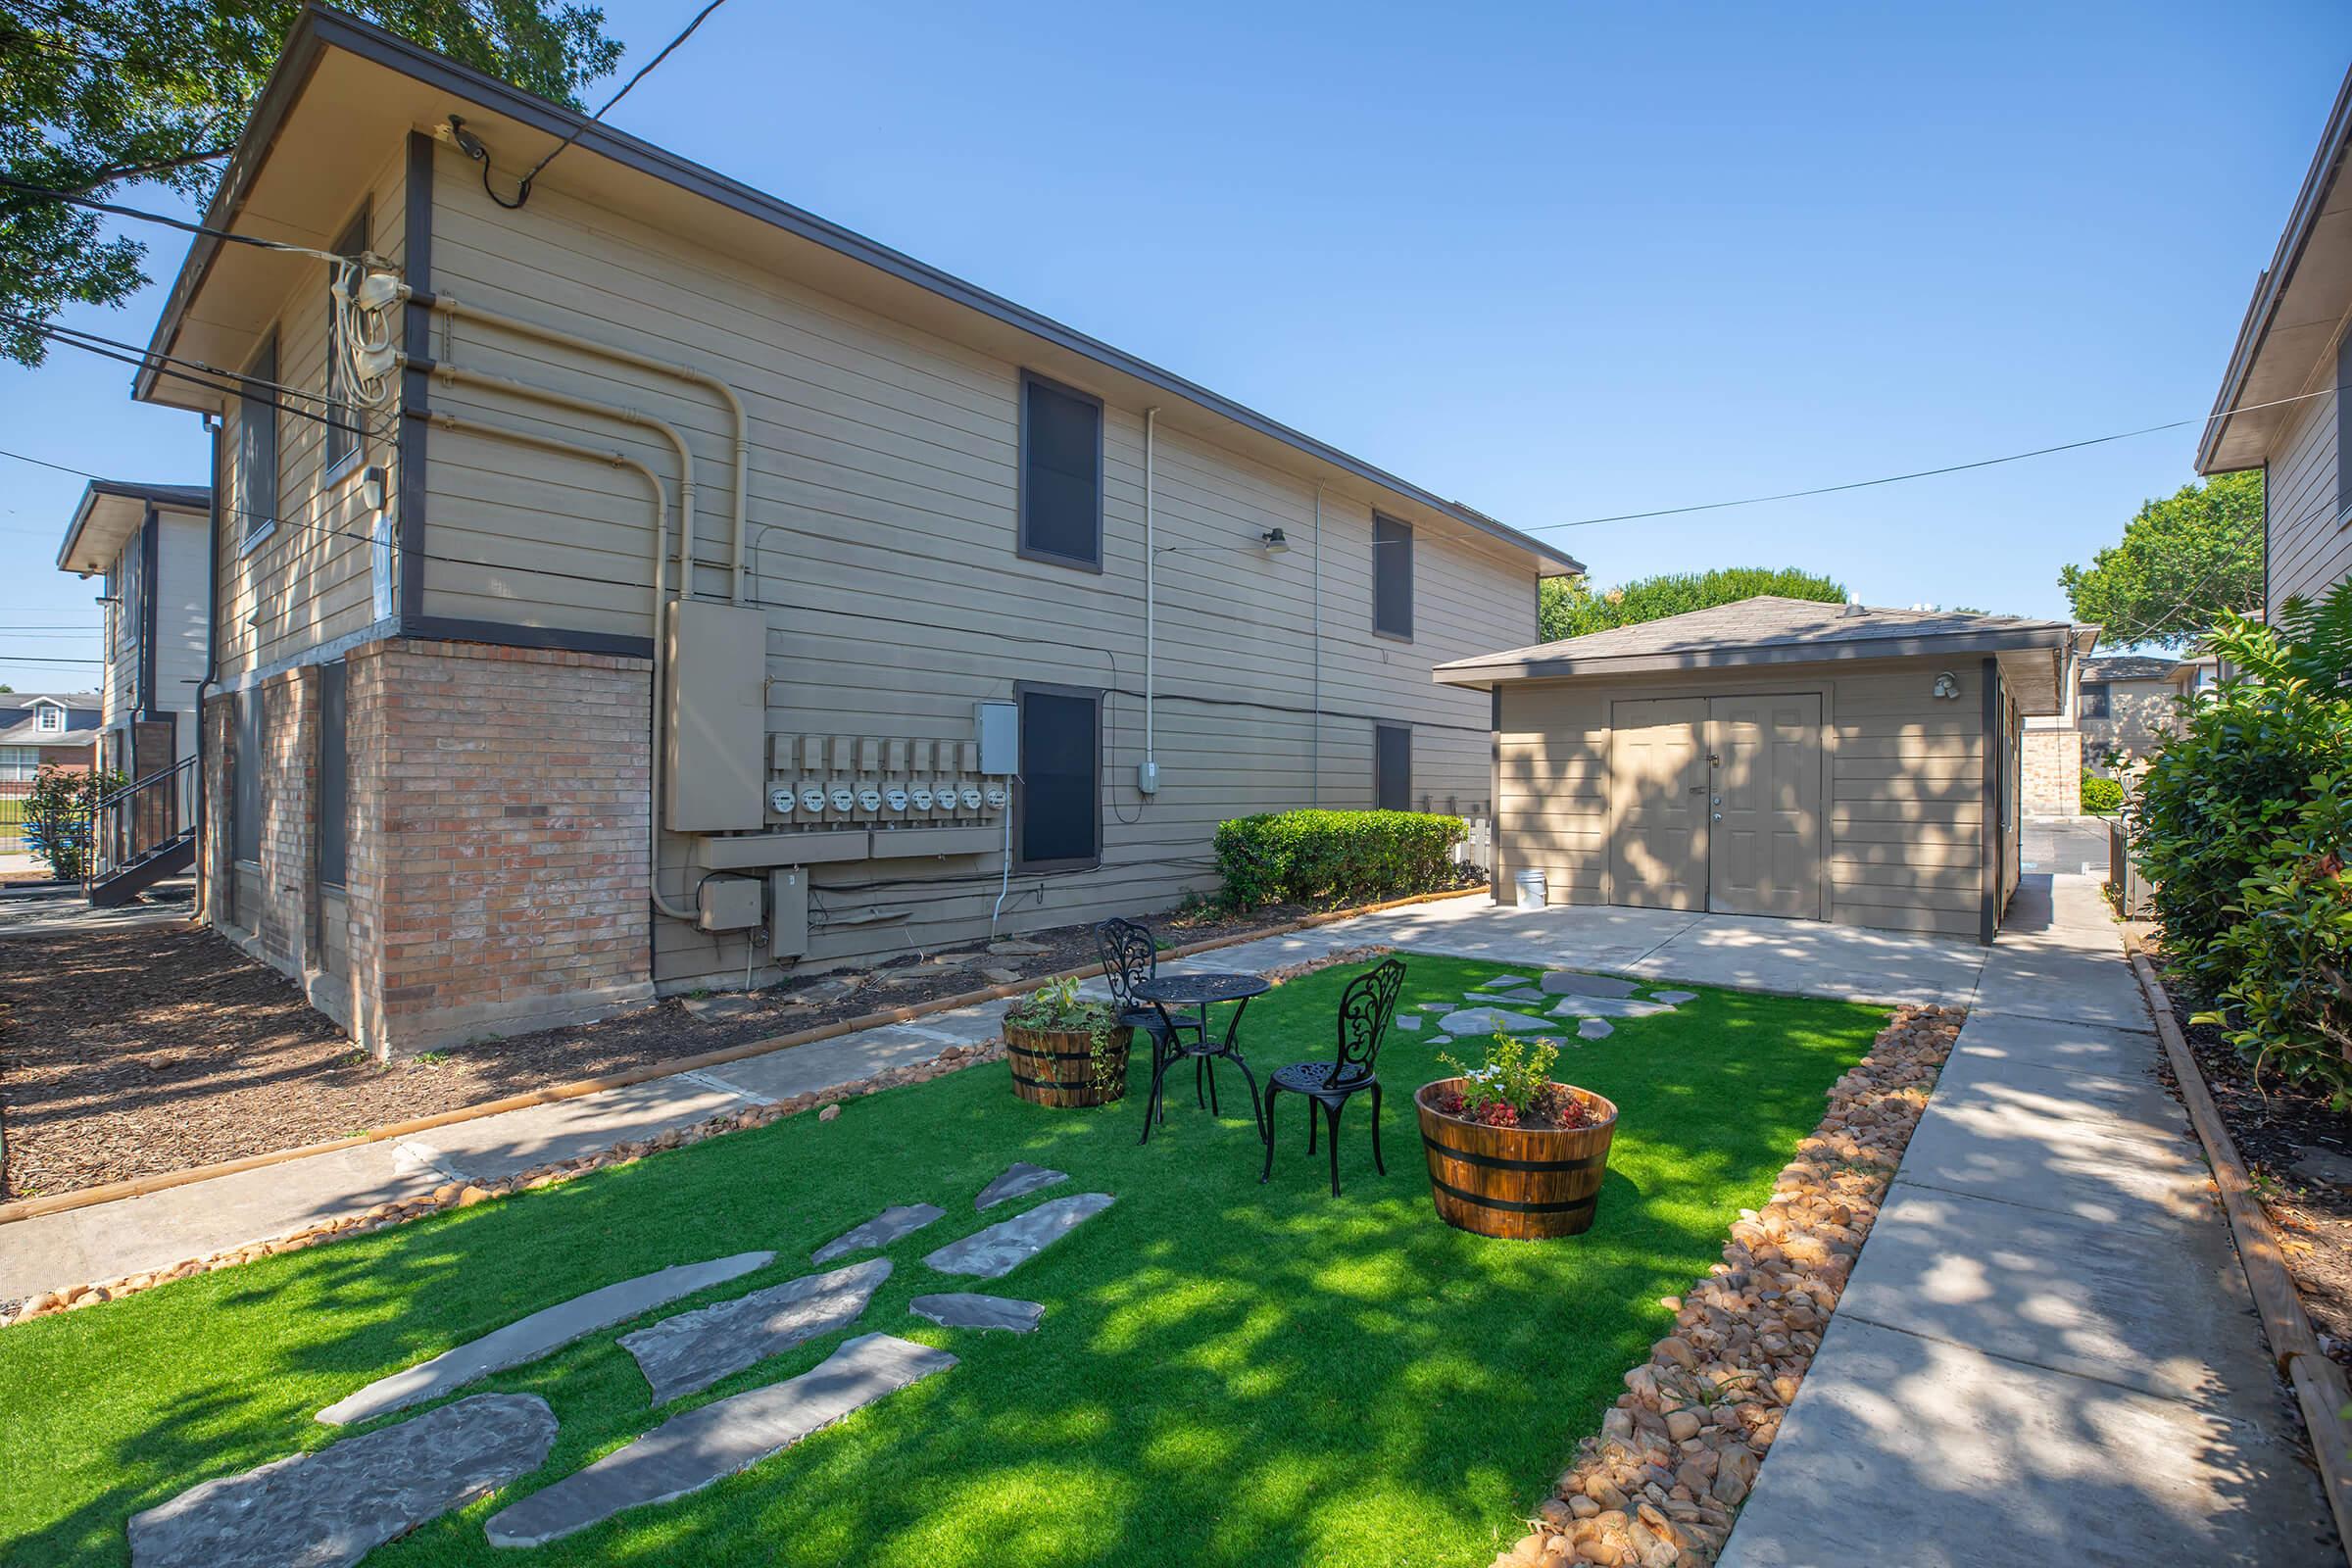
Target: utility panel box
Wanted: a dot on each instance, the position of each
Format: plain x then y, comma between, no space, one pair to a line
714,749
788,916
999,727
727,903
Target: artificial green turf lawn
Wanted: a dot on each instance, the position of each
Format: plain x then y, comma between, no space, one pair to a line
1227,1373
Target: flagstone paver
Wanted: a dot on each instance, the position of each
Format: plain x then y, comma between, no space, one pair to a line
333,1505
900,1219
1674,999
1594,1029
1609,1008
530,1337
967,1309
691,1451
1001,1248
694,1350
1018,1181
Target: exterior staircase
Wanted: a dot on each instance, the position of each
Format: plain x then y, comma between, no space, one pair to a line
141,833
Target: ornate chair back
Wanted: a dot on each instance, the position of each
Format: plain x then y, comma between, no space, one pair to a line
1365,1008
1129,959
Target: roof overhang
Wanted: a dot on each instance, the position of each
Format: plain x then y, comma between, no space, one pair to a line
344,95
110,511
2292,318
2052,639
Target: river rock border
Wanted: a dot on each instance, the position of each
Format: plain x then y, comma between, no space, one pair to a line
825,1102
1661,1483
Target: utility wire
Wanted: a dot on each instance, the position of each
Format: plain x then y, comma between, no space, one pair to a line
113,209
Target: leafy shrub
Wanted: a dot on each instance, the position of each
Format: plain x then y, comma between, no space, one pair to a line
1303,856
2101,796
57,816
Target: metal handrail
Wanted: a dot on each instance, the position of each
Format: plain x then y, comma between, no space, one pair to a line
113,828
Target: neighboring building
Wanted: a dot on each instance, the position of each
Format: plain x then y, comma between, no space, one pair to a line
1773,757
2128,705
2194,678
975,622
2052,758
2279,409
45,729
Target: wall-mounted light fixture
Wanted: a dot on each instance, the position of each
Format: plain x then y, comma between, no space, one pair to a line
1948,687
371,489
1274,541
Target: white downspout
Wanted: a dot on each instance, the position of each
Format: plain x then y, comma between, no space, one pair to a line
1151,583
546,443
1314,783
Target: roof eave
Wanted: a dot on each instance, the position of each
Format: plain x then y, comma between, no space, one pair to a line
316,29
1490,672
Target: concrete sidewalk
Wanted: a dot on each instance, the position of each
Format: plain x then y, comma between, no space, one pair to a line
2047,1352
130,1236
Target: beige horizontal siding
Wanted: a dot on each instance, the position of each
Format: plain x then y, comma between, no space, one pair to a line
2310,550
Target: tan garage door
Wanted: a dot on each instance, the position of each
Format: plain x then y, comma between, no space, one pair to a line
1715,803
1764,845
1658,802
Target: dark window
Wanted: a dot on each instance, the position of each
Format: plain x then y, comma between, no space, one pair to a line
342,434
245,763
1059,790
1392,577
334,779
1061,474
2094,700
257,448
1391,767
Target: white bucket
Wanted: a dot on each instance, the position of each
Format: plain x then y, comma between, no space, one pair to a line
1531,889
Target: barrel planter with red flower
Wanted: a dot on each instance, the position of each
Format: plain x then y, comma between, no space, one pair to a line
1525,1183
1064,1051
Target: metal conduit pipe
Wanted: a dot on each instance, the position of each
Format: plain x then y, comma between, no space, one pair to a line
660,588
458,309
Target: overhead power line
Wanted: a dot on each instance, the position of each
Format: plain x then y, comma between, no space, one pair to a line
117,210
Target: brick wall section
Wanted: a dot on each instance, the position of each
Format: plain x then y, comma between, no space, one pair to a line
273,903
2051,761
497,856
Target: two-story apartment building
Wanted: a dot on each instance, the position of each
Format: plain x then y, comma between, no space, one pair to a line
649,585
2279,407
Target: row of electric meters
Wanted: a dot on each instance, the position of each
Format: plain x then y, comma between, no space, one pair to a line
838,779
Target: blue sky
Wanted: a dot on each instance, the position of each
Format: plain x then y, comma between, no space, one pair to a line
1556,260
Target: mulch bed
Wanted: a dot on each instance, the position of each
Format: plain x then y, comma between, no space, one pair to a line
134,1052
2277,1127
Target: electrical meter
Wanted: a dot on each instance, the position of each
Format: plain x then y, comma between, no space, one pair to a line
920,797
970,796
869,799
894,798
995,796
779,801
844,798
813,798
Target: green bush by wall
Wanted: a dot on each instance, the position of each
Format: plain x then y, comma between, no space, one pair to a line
1306,856
2100,796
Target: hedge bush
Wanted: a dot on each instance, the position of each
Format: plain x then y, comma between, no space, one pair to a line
2101,796
1306,856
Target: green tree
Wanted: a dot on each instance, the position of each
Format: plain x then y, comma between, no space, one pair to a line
57,816
96,95
2183,562
1569,608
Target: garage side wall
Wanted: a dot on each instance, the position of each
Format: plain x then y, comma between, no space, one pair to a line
1904,811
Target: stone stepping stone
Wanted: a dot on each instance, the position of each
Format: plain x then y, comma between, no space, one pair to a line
1569,983
707,1443
1674,999
900,1219
1018,1181
1523,996
694,1350
1488,1020
1607,1008
1409,1020
1594,1029
965,1309
335,1504
1502,980
1441,1040
1001,1248
528,1338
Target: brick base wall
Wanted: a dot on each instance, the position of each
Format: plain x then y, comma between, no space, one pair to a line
2051,761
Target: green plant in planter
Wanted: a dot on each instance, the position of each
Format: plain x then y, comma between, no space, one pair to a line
1057,1004
1512,1086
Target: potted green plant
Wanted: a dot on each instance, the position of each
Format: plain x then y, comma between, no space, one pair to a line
1065,1048
1511,1151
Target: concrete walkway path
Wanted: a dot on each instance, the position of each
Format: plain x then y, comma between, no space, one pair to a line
2047,1353
128,1236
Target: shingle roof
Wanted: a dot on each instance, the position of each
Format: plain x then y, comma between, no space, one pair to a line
1764,629
2129,667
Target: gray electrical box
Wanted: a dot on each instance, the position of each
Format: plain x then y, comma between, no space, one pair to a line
714,751
727,903
788,916
999,725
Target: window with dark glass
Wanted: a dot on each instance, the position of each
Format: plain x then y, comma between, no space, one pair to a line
334,779
1392,577
257,447
1061,474
2094,700
343,416
245,761
1391,767
1059,794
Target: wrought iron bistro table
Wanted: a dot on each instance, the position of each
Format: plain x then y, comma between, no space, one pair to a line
1199,992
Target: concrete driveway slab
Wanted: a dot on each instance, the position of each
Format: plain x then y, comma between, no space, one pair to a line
2043,1156
1811,958
1907,1450
2056,1045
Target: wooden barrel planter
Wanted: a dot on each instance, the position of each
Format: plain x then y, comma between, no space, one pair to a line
1057,1066
1520,1183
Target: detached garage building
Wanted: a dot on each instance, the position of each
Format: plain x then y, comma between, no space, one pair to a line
1775,757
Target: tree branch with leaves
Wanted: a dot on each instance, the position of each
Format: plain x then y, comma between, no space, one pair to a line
2184,563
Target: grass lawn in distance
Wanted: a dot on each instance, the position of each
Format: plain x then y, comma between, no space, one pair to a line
1227,1373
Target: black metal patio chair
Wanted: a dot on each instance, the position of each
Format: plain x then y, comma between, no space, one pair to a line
1365,1010
1131,957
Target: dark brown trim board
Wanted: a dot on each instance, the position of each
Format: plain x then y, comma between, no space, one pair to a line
417,341
1990,858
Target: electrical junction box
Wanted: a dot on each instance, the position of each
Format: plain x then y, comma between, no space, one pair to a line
714,744
999,727
788,921
727,903
1147,777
